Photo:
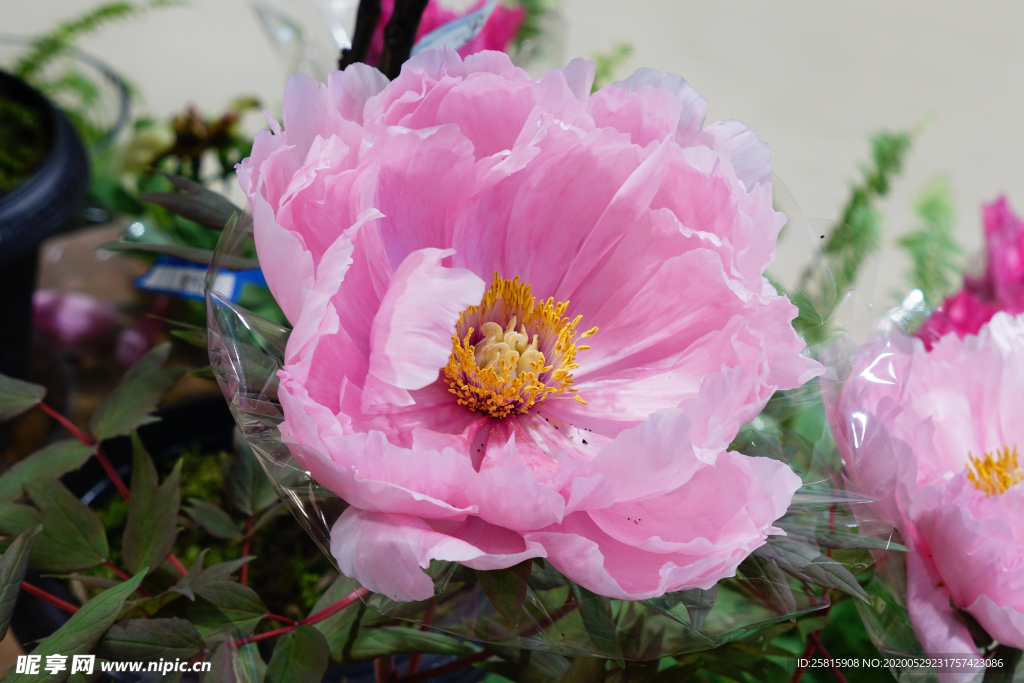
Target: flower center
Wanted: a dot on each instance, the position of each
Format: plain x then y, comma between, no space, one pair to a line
995,475
512,351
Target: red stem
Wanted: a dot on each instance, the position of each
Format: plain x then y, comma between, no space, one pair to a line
312,619
47,597
417,657
458,664
245,548
108,467
68,424
283,620
800,669
813,638
336,607
124,576
384,669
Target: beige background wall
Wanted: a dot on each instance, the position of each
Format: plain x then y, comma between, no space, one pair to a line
813,77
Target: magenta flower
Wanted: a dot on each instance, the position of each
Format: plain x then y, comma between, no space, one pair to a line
935,436
1000,288
528,321
497,34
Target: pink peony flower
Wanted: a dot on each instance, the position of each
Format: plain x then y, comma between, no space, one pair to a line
497,34
1000,288
528,321
935,436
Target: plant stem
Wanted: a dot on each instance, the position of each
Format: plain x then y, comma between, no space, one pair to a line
123,575
312,619
48,597
416,657
245,548
108,467
400,35
67,424
367,17
800,669
813,638
458,664
384,669
283,620
336,607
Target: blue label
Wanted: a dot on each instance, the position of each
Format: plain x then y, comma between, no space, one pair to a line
170,275
458,32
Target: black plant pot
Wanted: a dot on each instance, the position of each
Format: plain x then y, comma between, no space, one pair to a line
47,200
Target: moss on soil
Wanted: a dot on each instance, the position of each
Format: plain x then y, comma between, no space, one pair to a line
23,142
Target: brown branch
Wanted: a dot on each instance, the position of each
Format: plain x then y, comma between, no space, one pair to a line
367,18
400,35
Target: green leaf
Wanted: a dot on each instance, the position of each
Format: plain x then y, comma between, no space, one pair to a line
1010,660
300,656
73,536
129,405
149,640
246,484
12,571
81,633
269,515
812,624
807,564
16,518
933,248
152,524
213,519
17,396
839,540
381,642
190,254
596,612
195,202
584,670
223,604
698,604
341,628
235,665
767,579
51,462
506,588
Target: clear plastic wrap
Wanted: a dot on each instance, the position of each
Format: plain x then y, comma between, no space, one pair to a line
825,544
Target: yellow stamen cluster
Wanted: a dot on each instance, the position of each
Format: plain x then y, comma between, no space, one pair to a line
500,370
995,475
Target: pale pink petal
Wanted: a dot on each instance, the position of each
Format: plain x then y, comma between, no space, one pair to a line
292,269
1003,623
411,338
750,158
388,552
934,620
507,492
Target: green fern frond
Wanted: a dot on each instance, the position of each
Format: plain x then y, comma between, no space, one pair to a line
932,247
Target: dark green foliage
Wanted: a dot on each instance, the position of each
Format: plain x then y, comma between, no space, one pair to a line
23,142
83,631
932,247
152,523
12,570
17,396
130,404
